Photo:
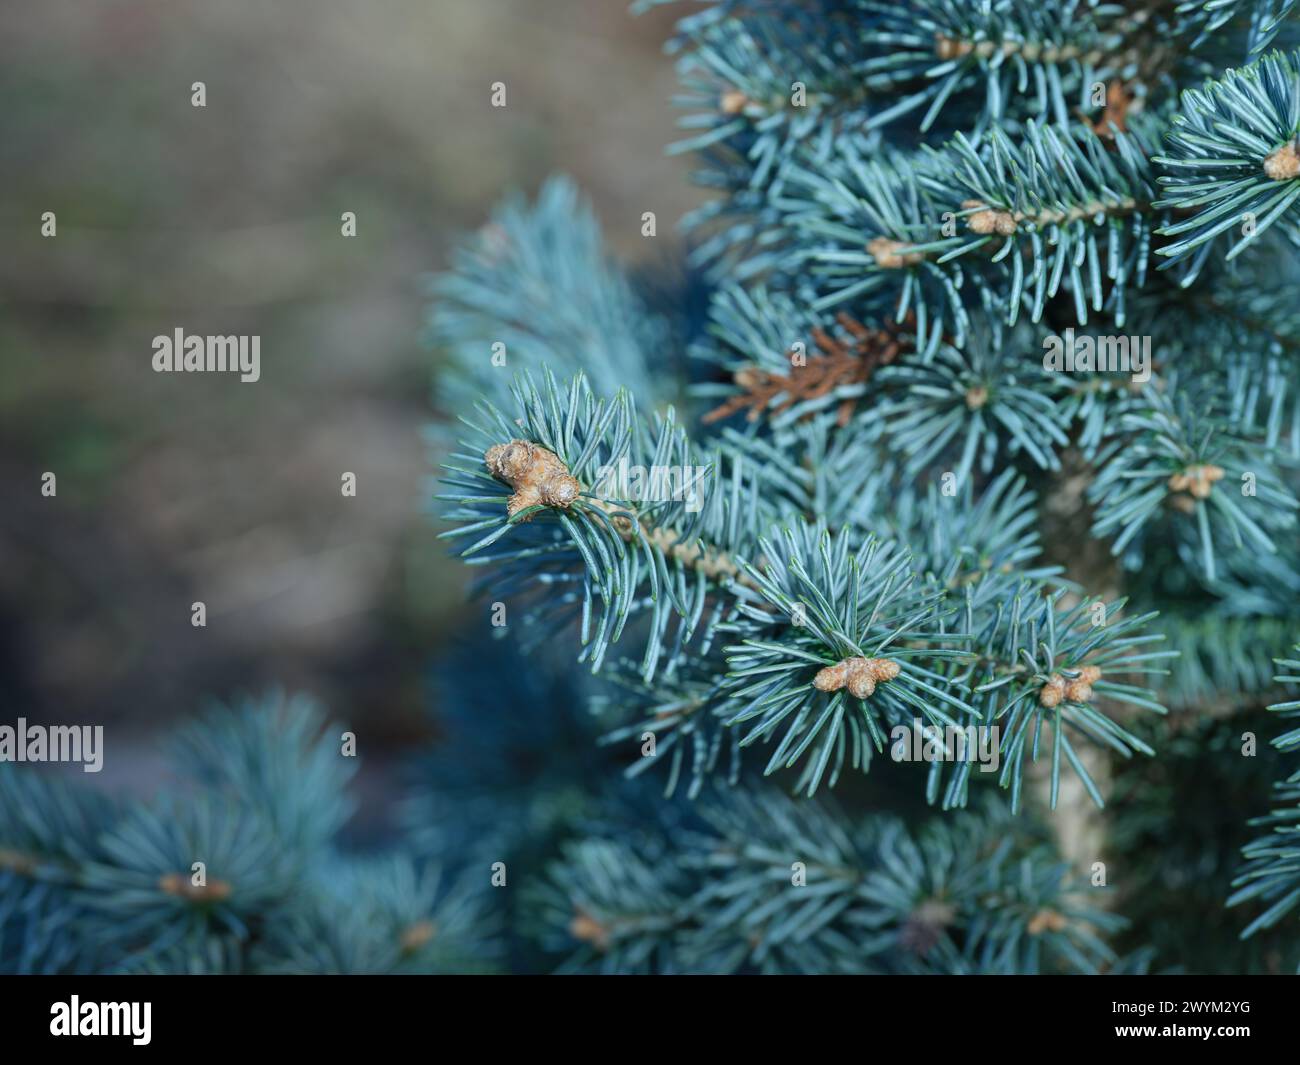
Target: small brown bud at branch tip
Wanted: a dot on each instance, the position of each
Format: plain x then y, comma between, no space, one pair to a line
989,220
892,254
859,675
1283,163
1057,689
538,476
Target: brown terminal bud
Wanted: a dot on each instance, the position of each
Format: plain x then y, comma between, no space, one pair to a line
859,675
1045,920
988,220
1196,480
893,254
1078,692
416,936
733,102
1283,163
589,930
1058,689
862,685
537,475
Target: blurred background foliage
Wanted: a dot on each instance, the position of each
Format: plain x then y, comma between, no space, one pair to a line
225,219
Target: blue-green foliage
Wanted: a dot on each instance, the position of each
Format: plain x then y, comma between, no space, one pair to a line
88,885
943,191
769,885
1271,872
1218,148
536,289
912,203
1263,18
814,600
977,399
1160,435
